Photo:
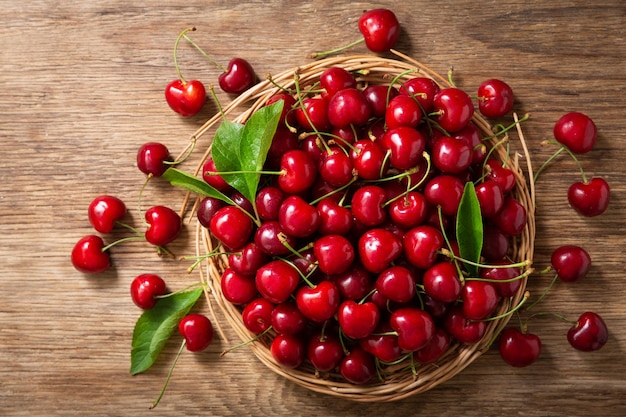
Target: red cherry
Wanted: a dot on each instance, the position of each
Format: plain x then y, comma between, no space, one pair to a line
318,303
268,201
277,280
353,284
403,111
378,248
434,349
380,29
334,79
396,283
421,246
297,217
348,107
197,331
358,320
490,198
325,352
334,219
289,351
210,176
519,349
207,208
368,158
104,211
462,329
446,191
576,131
298,172
377,96
414,326
237,288
334,254
145,288
405,145
480,299
248,259
257,315
88,256
511,219
287,116
368,205
495,98
272,239
152,158
185,97
589,198
313,114
589,333
164,225
441,282
422,89
409,211
451,155
382,343
504,177
335,167
570,262
510,285
454,107
231,226
358,366
238,77
473,137
495,243
288,319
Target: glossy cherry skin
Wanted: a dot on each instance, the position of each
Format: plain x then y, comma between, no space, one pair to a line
325,352
197,331
382,343
473,137
380,29
239,76
455,109
257,315
335,167
288,351
519,349
297,217
287,116
358,366
434,349
490,198
571,262
446,191
422,89
509,276
462,329
441,281
207,208
231,226
288,319
414,326
164,225
409,211
377,96
88,256
368,158
211,176
272,239
268,201
334,254
421,245
589,333
504,177
334,79
318,303
185,97
406,146
334,219
378,248
248,259
495,243
591,198
152,158
237,288
451,155
495,98
396,283
313,114
145,288
298,172
576,131
353,284
480,299
348,106
358,320
511,219
104,211
368,205
277,280
403,111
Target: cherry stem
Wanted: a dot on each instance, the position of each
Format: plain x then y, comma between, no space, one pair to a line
296,77
169,375
546,313
451,255
129,227
547,162
508,313
182,290
195,45
200,258
335,191
336,50
449,245
411,187
126,239
507,128
247,342
545,292
521,276
180,36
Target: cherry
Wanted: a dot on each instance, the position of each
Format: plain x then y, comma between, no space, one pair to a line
519,349
320,302
334,253
145,288
257,315
511,219
297,217
237,288
197,331
495,243
403,111
451,155
272,239
589,198
268,201
368,205
348,107
441,282
334,79
207,208
504,177
288,319
353,284
422,89
289,351
358,320
277,280
446,191
405,145
570,262
211,176
325,352
334,219
490,198
454,109
576,131
382,343
185,97
298,172
434,349
231,226
313,114
510,285
248,259
88,256
396,283
472,136
104,211
380,29
164,225
589,333
421,245
378,248
153,158
368,158
378,97
495,98
358,366
414,326
480,299
335,167
462,329
287,116
409,211
238,76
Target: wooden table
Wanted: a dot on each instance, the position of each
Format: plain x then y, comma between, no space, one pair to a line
83,88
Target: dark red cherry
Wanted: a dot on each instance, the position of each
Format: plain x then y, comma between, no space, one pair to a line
589,333
380,29
519,349
164,225
288,351
325,352
502,270
571,262
145,288
495,98
589,198
358,366
576,131
238,77
152,158
197,331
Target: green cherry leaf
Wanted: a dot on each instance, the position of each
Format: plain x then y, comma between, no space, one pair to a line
191,183
469,228
239,150
155,326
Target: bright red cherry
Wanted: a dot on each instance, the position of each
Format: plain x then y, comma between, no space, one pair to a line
197,331
298,172
441,281
422,89
88,256
576,131
421,245
380,29
288,319
313,114
495,98
145,288
238,77
519,349
185,97
257,315
396,283
325,352
348,107
378,248
318,303
462,329
297,217
511,219
589,198
455,109
152,158
104,211
334,253
211,176
570,262
451,155
480,299
164,225
277,280
334,79
231,226
237,288
403,111
414,326
589,333
406,146
358,320
446,191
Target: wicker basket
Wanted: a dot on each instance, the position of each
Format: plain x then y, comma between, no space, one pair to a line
400,382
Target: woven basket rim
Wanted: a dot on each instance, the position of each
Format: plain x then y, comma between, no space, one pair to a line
401,382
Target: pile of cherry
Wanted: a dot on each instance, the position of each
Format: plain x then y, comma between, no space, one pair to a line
353,264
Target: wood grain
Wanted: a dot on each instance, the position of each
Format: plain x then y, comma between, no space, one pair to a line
82,89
